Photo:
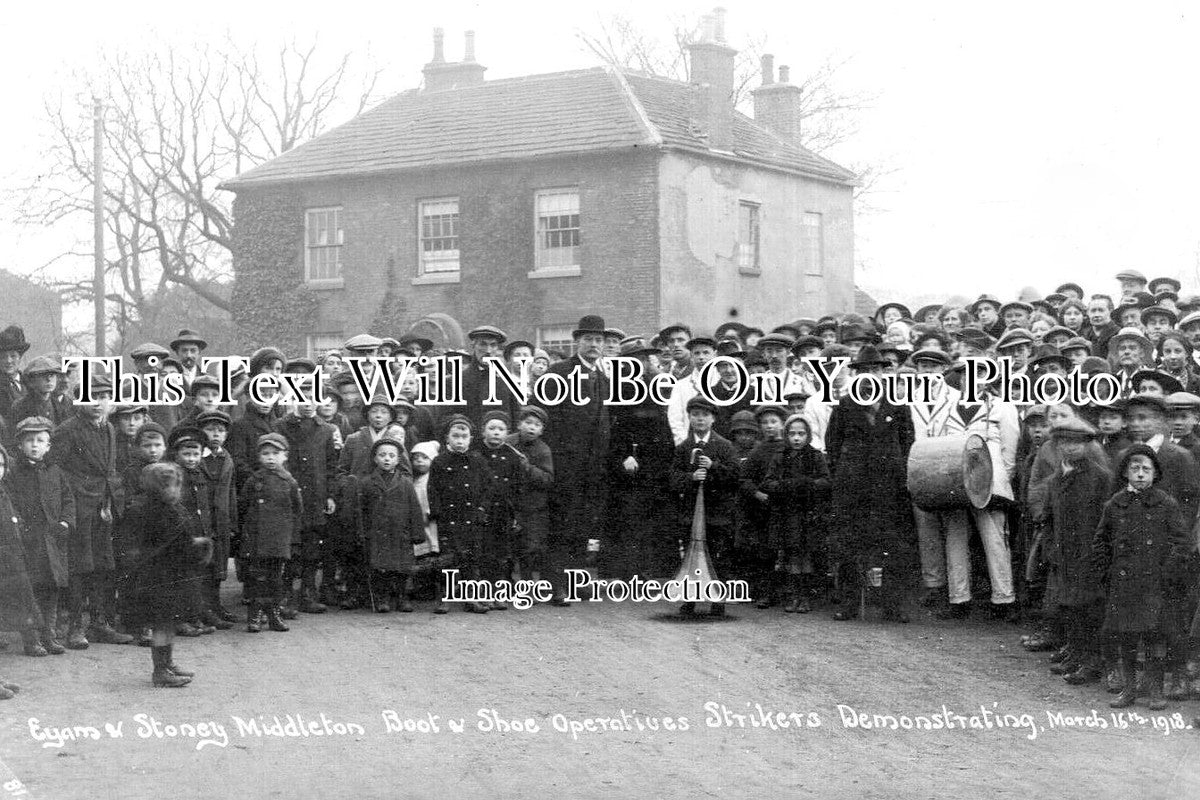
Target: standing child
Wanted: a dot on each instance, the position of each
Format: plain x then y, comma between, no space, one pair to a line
165,545
1077,493
744,432
185,447
458,491
533,502
1139,548
758,557
16,593
218,468
1111,425
423,455
271,511
705,459
127,420
393,523
506,474
46,506
796,484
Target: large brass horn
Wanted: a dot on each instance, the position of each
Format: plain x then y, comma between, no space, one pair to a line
697,566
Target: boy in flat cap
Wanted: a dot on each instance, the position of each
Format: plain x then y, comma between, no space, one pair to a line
43,396
46,506
272,513
219,470
506,477
706,459
86,449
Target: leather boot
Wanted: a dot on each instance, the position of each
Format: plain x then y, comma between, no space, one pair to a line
1154,686
1128,683
169,659
214,620
287,606
275,619
102,631
33,647
1178,688
254,617
75,638
162,677
308,593
50,644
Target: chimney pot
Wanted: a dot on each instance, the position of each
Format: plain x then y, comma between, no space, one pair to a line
469,49
785,73
438,55
768,69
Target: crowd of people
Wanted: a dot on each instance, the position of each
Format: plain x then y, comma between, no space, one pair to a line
129,515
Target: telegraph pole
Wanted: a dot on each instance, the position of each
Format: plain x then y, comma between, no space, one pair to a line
98,220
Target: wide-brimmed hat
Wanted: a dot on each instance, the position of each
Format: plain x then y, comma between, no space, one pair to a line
13,338
925,311
903,309
1169,384
188,336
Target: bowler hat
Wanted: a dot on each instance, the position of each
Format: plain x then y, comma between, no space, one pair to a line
589,324
188,336
13,338
868,356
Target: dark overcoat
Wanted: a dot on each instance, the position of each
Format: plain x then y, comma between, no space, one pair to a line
87,455
579,438
533,513
18,607
458,493
1076,501
57,408
1180,479
242,441
1140,549
720,492
868,462
393,521
753,532
311,459
797,485
271,510
46,505
218,469
164,579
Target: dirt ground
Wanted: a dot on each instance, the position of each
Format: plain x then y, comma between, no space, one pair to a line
565,666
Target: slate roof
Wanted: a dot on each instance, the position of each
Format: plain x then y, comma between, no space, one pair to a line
555,114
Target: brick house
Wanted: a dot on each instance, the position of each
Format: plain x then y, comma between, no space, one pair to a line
527,202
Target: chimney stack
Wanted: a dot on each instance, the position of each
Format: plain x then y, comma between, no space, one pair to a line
777,105
440,74
439,57
711,62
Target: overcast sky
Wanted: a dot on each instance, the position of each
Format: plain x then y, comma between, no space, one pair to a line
1032,143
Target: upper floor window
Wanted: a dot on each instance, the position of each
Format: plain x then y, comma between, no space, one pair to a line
748,235
812,243
556,337
323,240
557,228
439,235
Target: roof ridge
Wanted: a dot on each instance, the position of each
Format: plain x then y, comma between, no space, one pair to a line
799,148
653,135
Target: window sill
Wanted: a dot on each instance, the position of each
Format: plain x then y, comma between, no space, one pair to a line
554,272
752,271
319,286
437,277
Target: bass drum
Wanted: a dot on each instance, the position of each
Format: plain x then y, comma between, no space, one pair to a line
946,472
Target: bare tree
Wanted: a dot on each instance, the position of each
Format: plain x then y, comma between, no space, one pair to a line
830,113
177,123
